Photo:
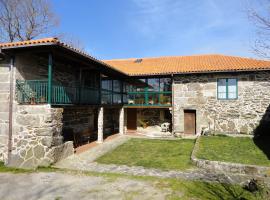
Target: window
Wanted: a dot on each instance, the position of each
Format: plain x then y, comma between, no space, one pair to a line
227,88
165,84
153,84
107,84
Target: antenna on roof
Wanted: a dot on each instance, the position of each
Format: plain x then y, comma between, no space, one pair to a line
139,60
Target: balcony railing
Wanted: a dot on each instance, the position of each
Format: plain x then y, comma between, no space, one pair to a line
150,98
36,92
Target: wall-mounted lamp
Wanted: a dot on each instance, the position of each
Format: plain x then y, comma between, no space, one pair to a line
2,55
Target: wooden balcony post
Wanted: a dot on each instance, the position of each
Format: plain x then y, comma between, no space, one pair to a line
80,86
50,63
122,91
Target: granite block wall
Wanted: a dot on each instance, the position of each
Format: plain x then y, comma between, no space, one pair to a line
199,92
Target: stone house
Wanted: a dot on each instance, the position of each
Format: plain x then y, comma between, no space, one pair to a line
215,93
51,93
54,98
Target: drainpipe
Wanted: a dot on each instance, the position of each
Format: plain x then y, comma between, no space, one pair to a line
172,105
11,91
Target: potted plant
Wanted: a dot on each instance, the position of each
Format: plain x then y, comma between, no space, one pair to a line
32,98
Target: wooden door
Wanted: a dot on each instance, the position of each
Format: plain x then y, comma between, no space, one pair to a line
190,122
132,119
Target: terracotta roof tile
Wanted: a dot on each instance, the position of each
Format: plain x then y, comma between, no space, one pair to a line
30,42
55,41
187,64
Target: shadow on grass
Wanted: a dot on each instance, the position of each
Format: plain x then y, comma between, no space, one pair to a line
224,191
262,133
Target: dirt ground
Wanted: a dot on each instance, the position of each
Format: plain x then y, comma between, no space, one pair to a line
57,185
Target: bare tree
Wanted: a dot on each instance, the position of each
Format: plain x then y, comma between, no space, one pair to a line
72,41
25,19
259,14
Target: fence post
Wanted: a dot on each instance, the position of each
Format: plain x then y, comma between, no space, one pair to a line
50,63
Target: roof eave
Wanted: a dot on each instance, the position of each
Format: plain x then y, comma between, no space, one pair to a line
62,45
199,72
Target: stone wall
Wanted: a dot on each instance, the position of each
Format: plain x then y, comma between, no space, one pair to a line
227,167
243,115
79,120
29,67
111,120
4,108
37,129
37,136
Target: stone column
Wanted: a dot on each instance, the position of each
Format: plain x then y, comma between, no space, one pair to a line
100,124
4,109
122,121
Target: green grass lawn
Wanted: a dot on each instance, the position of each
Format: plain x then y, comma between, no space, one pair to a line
231,149
4,169
149,153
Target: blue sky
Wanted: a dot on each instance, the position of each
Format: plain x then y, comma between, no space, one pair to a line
150,28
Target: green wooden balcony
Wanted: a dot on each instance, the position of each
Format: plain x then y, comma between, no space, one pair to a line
147,98
36,92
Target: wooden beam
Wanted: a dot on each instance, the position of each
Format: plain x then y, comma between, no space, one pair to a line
50,63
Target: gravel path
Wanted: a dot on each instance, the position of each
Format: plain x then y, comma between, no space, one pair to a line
193,174
57,186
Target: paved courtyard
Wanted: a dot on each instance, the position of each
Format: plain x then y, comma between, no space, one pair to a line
57,186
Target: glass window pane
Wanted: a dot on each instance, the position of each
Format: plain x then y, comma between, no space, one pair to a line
131,99
141,88
107,84
116,86
139,99
165,84
222,95
153,99
153,84
106,97
165,99
232,88
222,85
117,99
222,89
231,85
232,95
125,98
125,87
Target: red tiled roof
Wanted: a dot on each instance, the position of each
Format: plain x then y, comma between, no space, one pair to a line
162,65
53,41
187,64
29,42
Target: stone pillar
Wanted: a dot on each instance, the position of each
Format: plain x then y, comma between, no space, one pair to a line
4,109
122,121
100,124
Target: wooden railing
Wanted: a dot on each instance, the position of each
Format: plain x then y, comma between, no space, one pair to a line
147,98
36,92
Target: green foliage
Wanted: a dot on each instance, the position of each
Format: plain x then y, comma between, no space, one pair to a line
162,154
4,168
232,149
